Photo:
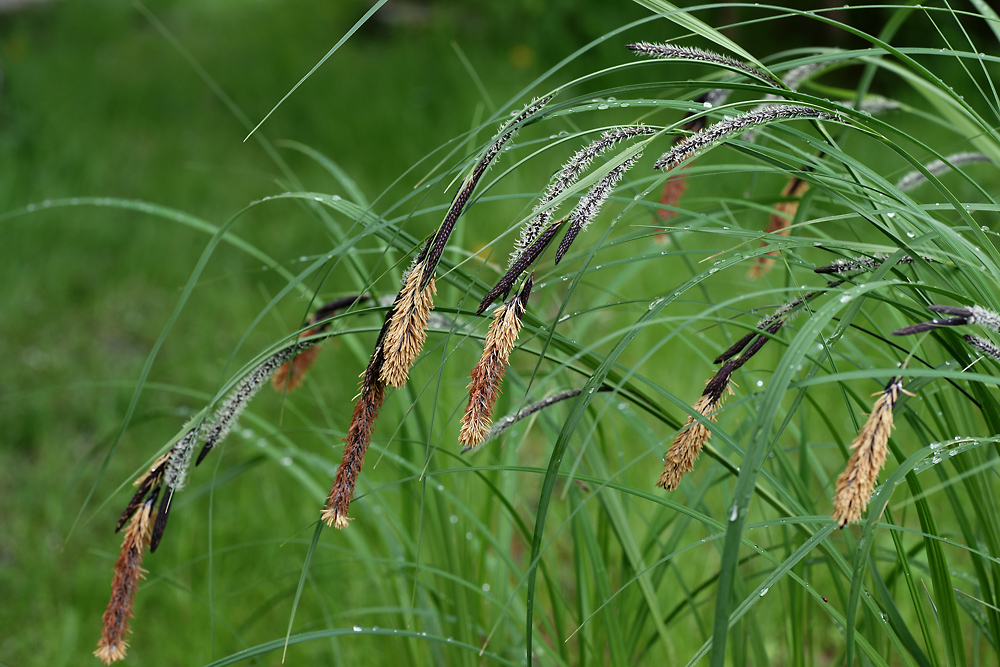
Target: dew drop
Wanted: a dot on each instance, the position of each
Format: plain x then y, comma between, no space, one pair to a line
891,214
655,302
845,298
486,588
286,461
453,518
357,628
760,383
734,513
910,235
764,591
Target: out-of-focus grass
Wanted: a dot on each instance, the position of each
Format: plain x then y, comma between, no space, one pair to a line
95,102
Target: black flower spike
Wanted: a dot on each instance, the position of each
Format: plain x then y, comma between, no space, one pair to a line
962,316
502,289
161,520
433,251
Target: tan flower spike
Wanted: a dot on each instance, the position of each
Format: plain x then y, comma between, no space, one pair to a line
856,483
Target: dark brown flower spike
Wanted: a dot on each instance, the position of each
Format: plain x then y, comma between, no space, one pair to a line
973,315
435,248
856,483
850,265
487,375
359,433
672,52
502,289
781,313
984,346
128,571
737,125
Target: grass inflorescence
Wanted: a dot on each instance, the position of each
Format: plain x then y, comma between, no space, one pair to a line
856,187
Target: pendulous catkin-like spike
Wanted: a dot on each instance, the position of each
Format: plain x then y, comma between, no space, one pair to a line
715,133
530,254
590,204
431,254
504,423
128,570
408,327
487,375
856,483
215,430
984,317
845,265
938,167
565,178
359,433
688,444
671,52
984,346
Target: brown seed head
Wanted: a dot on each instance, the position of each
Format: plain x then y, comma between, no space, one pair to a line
856,483
686,447
487,375
128,570
408,328
359,433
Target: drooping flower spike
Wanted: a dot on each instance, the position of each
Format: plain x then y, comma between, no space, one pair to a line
856,483
487,375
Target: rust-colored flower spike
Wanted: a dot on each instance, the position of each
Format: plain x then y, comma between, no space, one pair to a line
408,328
128,570
359,433
856,483
685,448
779,223
487,375
291,373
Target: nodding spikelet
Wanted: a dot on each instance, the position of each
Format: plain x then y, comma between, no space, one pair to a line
408,327
973,315
565,178
530,254
128,570
780,223
845,265
435,247
715,133
504,423
487,375
778,317
938,167
590,204
984,346
359,433
671,52
686,447
215,429
291,373
856,483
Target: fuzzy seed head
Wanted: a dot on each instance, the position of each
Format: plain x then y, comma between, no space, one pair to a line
487,375
686,447
856,483
408,328
128,570
696,143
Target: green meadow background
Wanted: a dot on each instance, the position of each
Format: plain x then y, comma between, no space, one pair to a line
106,102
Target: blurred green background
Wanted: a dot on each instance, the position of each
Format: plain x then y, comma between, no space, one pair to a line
96,102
